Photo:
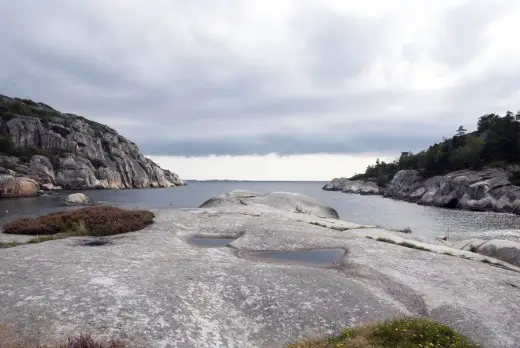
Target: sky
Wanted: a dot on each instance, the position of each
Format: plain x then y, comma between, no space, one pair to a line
267,89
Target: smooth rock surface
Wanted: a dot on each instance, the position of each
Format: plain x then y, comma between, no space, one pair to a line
155,283
504,250
72,152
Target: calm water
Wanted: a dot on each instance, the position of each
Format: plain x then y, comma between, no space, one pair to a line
373,210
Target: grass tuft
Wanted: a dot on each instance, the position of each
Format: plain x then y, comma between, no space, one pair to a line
398,333
413,246
403,230
405,244
337,228
4,245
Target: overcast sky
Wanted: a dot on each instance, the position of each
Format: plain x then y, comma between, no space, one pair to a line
241,79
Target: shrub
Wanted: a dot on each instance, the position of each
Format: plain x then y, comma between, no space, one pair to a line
92,221
398,333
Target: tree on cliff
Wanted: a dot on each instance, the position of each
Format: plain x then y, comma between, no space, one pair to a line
496,141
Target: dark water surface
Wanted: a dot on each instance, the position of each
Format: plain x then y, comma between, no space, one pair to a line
313,257
372,210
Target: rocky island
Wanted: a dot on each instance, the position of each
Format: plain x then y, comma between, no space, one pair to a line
476,171
44,149
248,269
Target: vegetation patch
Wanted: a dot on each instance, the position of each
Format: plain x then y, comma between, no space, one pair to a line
405,244
4,245
337,228
398,333
495,142
404,230
89,221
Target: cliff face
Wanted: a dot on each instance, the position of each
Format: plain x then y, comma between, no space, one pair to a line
68,151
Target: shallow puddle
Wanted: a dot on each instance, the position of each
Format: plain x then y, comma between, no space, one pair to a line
312,257
210,242
96,242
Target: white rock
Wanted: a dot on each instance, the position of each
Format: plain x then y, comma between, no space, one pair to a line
77,198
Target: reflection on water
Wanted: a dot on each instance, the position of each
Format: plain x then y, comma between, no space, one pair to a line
372,210
312,257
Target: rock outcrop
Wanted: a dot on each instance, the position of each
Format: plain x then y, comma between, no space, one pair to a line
11,186
504,250
485,190
192,296
361,187
68,151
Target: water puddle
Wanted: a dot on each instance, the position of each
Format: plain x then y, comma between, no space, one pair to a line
311,257
211,242
96,242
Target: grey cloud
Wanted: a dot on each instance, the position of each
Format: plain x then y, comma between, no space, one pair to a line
461,36
389,139
175,90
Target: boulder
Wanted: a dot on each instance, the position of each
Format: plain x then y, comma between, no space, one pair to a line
361,187
403,184
504,250
335,184
15,187
77,199
280,201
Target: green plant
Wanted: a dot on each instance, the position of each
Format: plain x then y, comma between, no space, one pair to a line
398,333
4,245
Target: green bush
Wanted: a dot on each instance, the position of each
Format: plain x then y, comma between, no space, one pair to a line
398,333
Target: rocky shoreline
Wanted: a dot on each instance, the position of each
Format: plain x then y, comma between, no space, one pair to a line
488,189
44,149
230,295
